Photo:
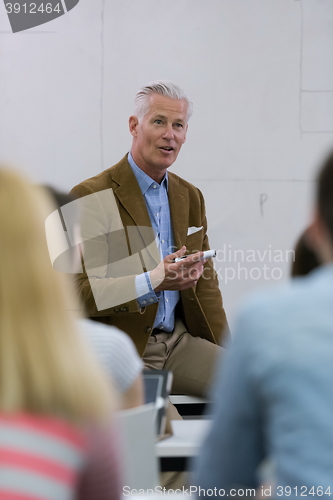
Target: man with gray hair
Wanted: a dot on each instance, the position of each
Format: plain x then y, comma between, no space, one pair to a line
172,310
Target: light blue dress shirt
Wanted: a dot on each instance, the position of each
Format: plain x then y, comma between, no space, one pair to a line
156,198
274,393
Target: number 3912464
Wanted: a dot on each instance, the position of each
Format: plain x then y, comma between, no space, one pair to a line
32,8
303,491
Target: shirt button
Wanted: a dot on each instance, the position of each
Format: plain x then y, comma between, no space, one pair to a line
163,241
161,327
151,300
166,300
154,186
144,302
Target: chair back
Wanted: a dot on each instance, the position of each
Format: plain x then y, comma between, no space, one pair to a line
137,429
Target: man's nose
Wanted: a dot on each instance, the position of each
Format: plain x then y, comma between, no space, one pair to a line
168,132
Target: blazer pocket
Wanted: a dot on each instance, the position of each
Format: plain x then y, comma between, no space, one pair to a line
194,242
193,229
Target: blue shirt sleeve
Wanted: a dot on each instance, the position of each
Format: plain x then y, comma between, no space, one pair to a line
144,290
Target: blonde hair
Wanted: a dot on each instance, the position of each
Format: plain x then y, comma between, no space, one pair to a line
45,365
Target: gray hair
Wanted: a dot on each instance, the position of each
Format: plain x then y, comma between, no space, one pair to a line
162,87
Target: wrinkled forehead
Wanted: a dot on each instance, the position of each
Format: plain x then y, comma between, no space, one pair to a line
166,106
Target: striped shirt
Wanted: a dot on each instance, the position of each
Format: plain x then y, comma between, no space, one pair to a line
45,458
116,352
157,201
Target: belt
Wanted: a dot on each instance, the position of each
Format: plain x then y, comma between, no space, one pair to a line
158,330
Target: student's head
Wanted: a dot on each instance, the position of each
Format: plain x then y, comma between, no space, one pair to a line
325,194
305,258
69,260
45,366
321,230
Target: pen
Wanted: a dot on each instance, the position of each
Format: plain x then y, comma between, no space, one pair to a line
206,255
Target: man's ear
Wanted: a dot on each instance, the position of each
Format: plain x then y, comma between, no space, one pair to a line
133,125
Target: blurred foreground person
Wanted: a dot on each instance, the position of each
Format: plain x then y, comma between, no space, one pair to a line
274,399
56,442
305,259
114,349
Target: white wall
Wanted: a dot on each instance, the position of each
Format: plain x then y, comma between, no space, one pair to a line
260,74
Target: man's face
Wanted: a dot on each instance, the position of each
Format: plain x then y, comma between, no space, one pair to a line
159,135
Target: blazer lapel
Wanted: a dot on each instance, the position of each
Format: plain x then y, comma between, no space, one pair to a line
179,210
130,197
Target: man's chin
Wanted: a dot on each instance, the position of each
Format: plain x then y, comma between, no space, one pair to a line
166,165
167,162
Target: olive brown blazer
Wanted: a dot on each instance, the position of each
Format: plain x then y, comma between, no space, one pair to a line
200,307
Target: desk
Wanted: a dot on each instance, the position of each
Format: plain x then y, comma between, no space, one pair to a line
174,451
189,405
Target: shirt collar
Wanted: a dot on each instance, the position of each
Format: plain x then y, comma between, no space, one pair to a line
143,179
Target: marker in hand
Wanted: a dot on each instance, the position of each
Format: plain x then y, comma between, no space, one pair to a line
206,255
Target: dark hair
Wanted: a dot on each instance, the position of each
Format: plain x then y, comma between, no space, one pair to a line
59,197
69,214
325,194
305,258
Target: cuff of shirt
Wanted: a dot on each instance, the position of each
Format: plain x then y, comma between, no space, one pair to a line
145,294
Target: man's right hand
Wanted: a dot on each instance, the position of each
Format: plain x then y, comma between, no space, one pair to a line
170,275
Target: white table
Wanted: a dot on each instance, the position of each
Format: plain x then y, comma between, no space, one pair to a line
179,399
187,438
189,405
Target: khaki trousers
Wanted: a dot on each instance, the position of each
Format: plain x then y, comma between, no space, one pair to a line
191,359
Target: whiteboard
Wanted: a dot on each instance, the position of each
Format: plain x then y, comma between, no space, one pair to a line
260,74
